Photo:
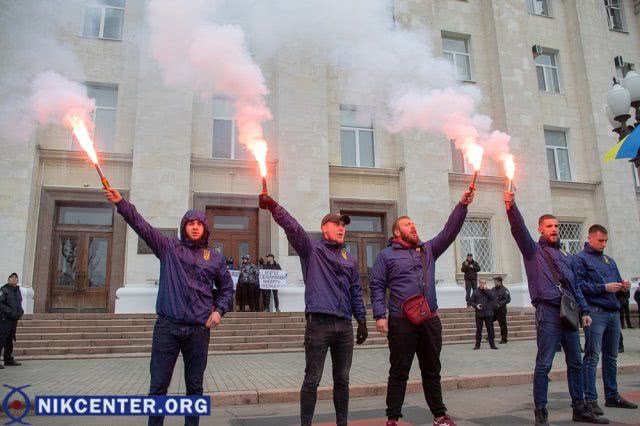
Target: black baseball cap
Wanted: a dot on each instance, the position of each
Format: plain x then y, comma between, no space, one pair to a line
336,218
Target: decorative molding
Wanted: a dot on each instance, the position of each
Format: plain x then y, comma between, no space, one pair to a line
79,157
229,165
464,179
574,186
372,172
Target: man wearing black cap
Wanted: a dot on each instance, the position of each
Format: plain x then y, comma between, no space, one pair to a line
10,312
333,295
470,268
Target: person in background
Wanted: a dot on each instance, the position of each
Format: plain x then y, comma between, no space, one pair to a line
483,301
10,312
470,268
502,299
266,294
247,284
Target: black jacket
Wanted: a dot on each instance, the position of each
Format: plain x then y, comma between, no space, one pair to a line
502,296
470,270
636,295
10,302
272,266
486,299
623,297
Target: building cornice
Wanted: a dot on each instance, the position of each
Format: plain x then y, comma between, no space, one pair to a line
464,179
574,186
228,165
373,172
79,157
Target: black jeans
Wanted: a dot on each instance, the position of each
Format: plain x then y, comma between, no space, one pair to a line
248,295
406,340
266,299
470,286
624,312
169,339
488,323
322,333
7,335
501,317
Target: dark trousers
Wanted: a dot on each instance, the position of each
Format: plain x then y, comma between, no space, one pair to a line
266,299
405,341
248,295
549,333
501,317
488,323
7,335
169,339
470,286
326,333
624,312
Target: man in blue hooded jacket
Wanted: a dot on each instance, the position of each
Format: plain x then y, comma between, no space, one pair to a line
599,280
332,296
399,268
186,307
546,294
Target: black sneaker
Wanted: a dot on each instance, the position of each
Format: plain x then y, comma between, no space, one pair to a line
619,402
12,362
494,347
582,413
476,347
502,342
595,408
542,416
1,367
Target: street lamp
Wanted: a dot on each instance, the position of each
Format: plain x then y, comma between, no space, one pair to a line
620,98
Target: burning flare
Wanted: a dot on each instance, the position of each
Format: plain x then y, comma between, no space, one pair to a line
473,153
81,133
259,148
509,169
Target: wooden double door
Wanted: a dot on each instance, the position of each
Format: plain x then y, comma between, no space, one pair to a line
365,249
81,256
234,232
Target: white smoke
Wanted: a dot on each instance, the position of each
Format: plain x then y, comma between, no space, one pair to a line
202,45
212,59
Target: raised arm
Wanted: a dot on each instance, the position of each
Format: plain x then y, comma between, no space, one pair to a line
296,234
520,233
157,242
441,242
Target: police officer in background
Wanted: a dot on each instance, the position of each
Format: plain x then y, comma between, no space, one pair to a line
10,312
502,299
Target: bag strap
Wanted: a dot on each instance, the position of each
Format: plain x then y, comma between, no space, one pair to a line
552,267
425,270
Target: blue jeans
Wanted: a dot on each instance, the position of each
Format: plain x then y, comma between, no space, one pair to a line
169,339
550,332
602,337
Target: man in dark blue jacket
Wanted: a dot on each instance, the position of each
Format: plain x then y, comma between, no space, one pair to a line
539,257
399,268
599,280
332,295
186,308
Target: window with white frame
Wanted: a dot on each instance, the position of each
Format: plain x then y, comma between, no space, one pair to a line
225,142
103,19
104,116
356,136
571,237
538,7
557,155
475,238
547,71
615,14
456,51
458,164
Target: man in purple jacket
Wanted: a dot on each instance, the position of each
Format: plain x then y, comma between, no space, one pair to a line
399,268
332,295
546,293
186,307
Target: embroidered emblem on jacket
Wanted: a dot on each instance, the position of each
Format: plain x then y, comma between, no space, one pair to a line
206,254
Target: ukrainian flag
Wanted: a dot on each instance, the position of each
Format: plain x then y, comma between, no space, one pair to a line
626,148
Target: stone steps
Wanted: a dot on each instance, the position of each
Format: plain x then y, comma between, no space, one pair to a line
99,335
